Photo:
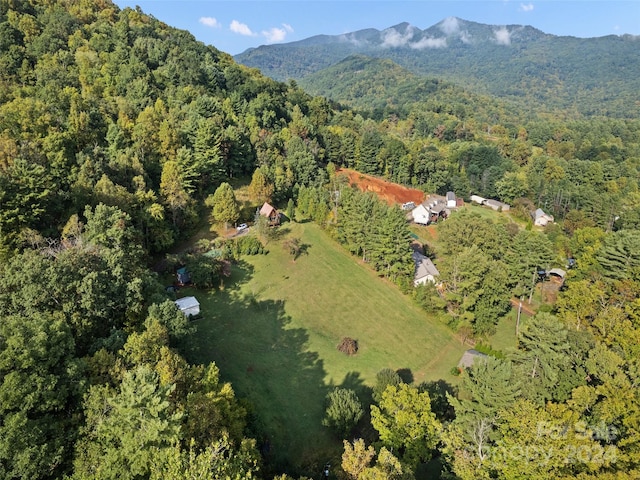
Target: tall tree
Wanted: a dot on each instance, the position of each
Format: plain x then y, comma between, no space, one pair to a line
129,431
225,205
544,362
41,384
405,423
171,188
260,189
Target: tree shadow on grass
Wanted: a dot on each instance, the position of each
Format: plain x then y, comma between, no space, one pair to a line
270,368
405,374
241,273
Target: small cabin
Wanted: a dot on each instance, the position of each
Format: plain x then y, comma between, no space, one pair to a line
183,276
271,213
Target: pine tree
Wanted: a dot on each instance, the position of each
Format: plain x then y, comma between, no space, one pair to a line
225,206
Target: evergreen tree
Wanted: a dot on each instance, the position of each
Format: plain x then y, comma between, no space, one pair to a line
129,431
41,383
225,206
343,412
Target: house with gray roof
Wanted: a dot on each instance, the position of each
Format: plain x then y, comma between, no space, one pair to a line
425,270
540,218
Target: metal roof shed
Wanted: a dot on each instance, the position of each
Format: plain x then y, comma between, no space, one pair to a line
188,306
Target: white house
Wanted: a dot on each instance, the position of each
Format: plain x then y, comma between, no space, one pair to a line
425,271
540,218
188,306
477,199
421,214
451,200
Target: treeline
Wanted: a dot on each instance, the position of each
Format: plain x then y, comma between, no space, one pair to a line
367,227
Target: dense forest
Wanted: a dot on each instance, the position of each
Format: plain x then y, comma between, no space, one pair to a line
536,70
119,133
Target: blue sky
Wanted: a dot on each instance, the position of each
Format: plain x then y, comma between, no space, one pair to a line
234,26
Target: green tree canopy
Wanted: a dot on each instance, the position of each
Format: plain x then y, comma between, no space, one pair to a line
225,205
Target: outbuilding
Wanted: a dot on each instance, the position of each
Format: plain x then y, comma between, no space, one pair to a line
540,219
271,213
470,357
557,274
189,306
451,200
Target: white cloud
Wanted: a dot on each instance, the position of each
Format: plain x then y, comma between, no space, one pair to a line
241,28
274,34
429,43
465,37
502,36
351,39
209,22
449,26
526,7
393,38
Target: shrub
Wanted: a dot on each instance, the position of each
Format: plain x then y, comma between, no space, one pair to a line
488,350
249,245
348,346
343,412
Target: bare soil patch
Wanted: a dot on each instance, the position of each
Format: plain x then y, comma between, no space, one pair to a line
391,193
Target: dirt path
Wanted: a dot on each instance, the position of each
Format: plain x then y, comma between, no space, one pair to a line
526,308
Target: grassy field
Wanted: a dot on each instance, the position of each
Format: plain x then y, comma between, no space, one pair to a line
274,328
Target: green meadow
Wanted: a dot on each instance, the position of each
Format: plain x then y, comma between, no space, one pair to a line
273,330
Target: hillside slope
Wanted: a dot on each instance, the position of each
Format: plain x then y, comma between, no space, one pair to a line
592,75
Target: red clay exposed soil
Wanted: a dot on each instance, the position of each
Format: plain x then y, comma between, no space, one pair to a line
389,192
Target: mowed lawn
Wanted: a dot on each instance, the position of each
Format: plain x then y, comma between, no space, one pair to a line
274,328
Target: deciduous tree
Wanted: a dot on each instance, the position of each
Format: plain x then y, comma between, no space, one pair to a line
405,423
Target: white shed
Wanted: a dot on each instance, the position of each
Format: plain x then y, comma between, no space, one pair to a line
469,358
188,306
477,199
451,200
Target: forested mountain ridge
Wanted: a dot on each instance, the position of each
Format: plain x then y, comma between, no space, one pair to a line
511,61
115,131
380,87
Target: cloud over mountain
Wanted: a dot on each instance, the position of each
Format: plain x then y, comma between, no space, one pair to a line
429,42
502,36
392,38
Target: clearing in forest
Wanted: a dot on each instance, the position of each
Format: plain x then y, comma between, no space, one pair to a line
392,193
273,331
